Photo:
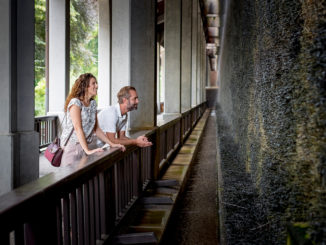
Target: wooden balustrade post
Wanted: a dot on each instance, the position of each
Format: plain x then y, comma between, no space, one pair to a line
182,127
157,152
43,227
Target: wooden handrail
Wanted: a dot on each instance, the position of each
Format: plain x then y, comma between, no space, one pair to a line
84,202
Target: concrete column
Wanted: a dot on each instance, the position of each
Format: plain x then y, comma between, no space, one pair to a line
18,140
120,75
143,62
194,35
104,54
186,47
59,54
200,25
203,80
172,42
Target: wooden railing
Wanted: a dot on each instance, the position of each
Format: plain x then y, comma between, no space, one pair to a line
47,127
84,202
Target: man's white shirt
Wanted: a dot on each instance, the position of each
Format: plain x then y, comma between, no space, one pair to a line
110,119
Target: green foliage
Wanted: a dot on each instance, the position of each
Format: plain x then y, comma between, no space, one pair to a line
40,98
83,38
83,44
39,40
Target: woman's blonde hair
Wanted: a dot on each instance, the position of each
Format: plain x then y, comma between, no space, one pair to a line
79,88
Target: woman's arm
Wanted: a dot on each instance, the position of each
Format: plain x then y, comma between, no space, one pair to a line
100,134
75,115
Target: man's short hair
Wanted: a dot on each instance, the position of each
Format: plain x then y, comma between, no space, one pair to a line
124,93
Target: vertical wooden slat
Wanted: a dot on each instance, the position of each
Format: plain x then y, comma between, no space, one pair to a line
97,208
136,165
156,154
131,174
112,195
91,211
74,227
127,180
66,220
18,235
120,187
149,161
143,165
4,238
59,221
46,222
46,132
103,198
117,194
86,214
80,216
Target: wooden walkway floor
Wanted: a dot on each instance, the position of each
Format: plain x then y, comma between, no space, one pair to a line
195,218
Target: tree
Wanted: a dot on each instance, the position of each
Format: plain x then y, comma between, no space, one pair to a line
83,44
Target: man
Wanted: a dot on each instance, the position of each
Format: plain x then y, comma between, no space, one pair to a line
113,119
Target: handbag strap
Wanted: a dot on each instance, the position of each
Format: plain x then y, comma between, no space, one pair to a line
72,130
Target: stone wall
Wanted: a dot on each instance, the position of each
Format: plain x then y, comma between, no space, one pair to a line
272,77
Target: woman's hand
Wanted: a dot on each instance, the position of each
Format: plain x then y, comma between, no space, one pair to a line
122,147
90,152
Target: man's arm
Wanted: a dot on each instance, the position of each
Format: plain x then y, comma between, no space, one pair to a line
141,141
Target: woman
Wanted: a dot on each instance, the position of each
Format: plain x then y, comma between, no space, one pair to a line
81,115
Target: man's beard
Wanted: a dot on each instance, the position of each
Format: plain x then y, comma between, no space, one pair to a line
131,107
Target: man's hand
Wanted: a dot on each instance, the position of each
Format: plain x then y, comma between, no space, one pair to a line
121,147
142,141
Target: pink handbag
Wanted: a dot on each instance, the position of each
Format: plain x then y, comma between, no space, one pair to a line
54,152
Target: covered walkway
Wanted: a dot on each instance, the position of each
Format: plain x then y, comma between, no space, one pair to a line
195,219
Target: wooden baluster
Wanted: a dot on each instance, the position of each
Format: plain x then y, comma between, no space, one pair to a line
104,204
125,181
4,238
127,172
18,235
97,208
80,215
111,196
91,211
117,190
59,221
66,220
137,167
74,227
86,213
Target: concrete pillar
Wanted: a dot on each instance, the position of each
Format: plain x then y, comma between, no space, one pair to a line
143,62
172,43
104,54
203,81
120,75
158,90
59,54
194,37
18,140
186,47
200,25
162,92
134,56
